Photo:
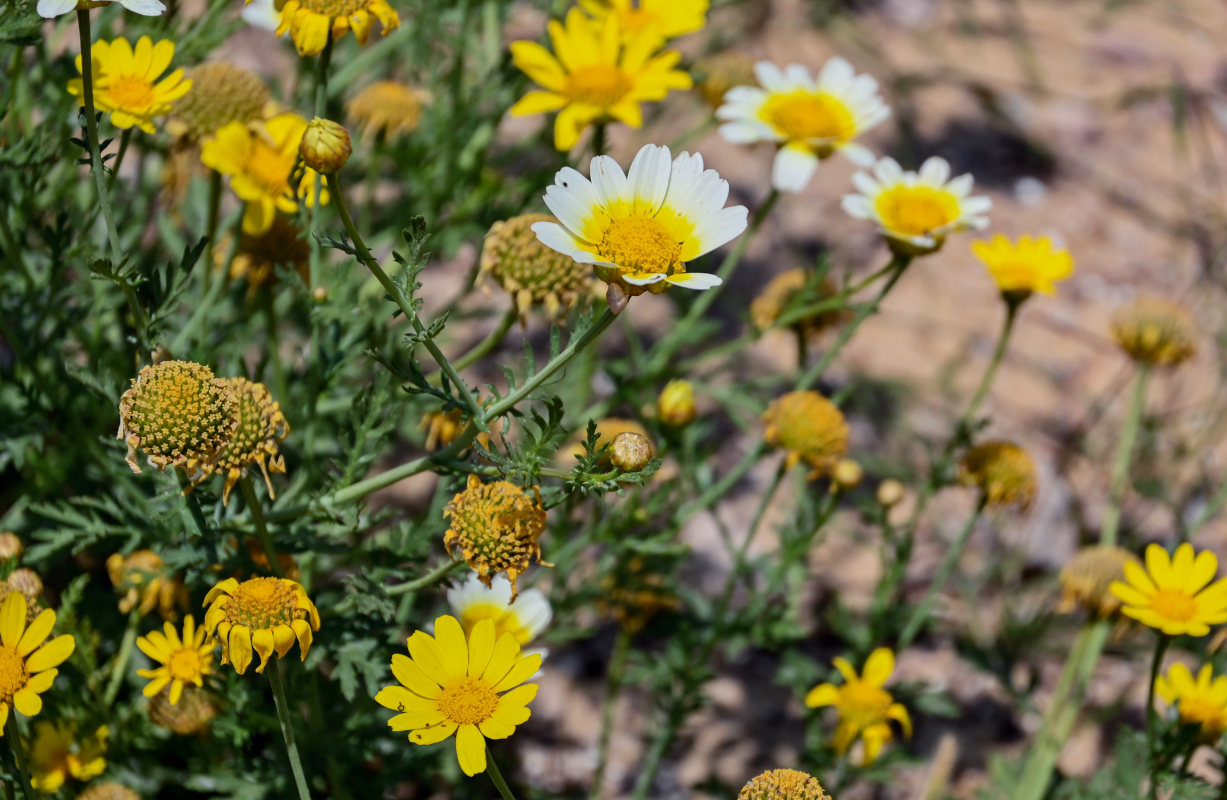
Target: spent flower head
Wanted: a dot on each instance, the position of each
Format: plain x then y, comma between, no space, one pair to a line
1155,331
11,548
191,716
1003,472
783,292
144,583
259,255
631,452
128,81
255,440
721,72
265,615
495,527
1087,578
220,93
387,109
783,784
809,427
108,790
1174,594
531,273
865,707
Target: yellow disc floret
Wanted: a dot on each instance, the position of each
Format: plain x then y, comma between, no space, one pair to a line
809,427
254,442
495,526
531,273
783,784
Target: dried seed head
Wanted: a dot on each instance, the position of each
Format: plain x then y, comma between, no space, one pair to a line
254,442
1004,473
495,526
780,291
221,93
724,71
1155,331
1087,578
189,717
531,273
809,427
108,790
631,452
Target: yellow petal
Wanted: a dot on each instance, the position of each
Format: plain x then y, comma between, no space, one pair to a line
524,669
37,633
879,666
413,678
51,654
433,734
453,649
502,659
27,702
824,694
12,619
240,648
262,641
471,750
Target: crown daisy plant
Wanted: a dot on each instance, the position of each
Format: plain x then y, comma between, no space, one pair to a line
667,19
809,428
313,23
916,211
1003,472
639,229
865,707
185,661
128,81
472,687
1155,332
387,110
595,75
1174,594
495,526
810,118
525,617
532,274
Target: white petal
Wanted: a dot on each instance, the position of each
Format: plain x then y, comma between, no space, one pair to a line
798,77
580,217
746,132
961,186
793,168
648,281
720,228
977,205
611,186
533,610
770,77
148,8
935,171
858,206
55,8
888,171
747,95
261,14
866,185
556,237
858,154
694,280
836,74
649,178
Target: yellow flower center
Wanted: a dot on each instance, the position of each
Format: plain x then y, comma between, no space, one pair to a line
468,701
261,603
641,244
184,665
916,210
132,93
334,8
601,86
806,115
13,672
863,704
1174,604
268,167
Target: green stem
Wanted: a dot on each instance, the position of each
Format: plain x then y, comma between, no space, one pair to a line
497,777
122,657
1152,716
599,143
268,306
12,737
321,111
488,344
125,139
613,687
921,613
429,579
990,372
1124,457
1207,513
287,729
215,210
257,518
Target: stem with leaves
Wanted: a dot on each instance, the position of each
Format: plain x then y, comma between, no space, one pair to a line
277,681
12,738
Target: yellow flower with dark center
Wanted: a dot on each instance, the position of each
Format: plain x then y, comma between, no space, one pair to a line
145,584
531,273
1086,580
595,74
184,662
11,548
472,687
916,211
865,707
126,81
259,255
495,526
1004,473
675,405
783,784
311,22
783,292
1026,266
721,72
1174,594
261,614
666,19
1201,702
220,93
387,108
260,157
108,790
58,755
254,441
189,717
1155,331
28,661
178,414
809,427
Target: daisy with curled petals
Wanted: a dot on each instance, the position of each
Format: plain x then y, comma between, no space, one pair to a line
311,22
183,661
1174,594
915,211
810,118
640,229
128,81
864,706
594,75
49,9
262,614
668,19
1026,266
472,687
1201,701
27,660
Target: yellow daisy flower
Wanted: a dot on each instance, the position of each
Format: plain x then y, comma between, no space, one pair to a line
259,158
811,118
1026,266
58,755
261,614
593,75
310,21
667,19
1174,594
27,660
1201,702
639,229
184,661
143,583
472,688
387,108
864,706
915,211
126,81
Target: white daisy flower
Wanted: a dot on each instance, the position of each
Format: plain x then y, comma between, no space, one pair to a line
811,119
524,618
916,210
55,8
640,229
261,14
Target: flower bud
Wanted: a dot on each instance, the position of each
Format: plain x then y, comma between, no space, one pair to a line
890,492
325,146
846,474
320,295
10,547
675,406
631,452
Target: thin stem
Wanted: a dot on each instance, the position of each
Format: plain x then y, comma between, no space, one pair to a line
613,687
489,343
321,110
122,657
262,535
280,382
287,729
13,738
921,613
497,777
125,139
429,579
1124,457
990,372
215,209
599,143
1152,717
1209,511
